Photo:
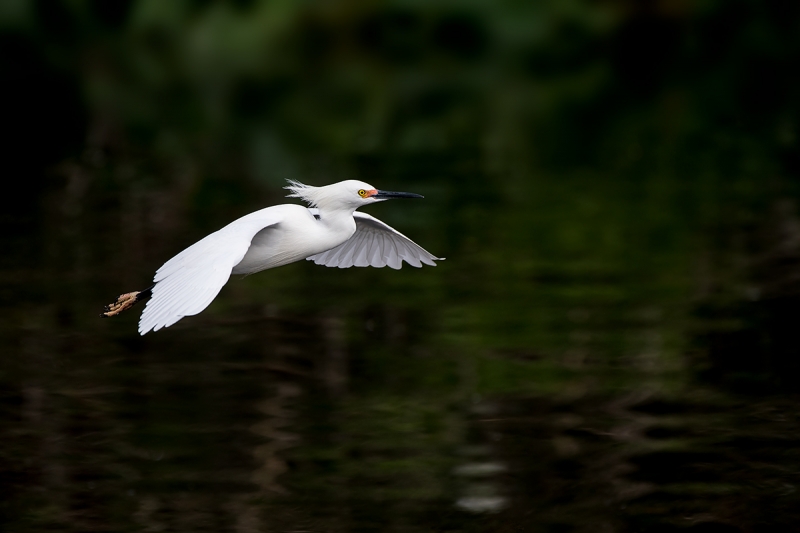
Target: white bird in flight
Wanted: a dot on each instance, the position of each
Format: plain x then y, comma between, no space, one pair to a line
330,232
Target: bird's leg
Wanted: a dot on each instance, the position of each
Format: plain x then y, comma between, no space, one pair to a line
126,301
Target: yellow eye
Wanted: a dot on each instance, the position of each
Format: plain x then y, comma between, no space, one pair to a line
362,193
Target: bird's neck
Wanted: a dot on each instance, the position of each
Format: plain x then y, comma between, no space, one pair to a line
339,220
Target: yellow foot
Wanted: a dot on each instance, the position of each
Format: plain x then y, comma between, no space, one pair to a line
124,302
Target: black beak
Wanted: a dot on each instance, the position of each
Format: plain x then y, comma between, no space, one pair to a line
388,195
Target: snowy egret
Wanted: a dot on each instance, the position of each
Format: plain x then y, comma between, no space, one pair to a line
330,233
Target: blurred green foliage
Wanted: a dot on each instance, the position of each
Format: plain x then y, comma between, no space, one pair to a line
264,85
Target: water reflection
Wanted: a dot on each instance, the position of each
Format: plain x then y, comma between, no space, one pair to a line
276,440
480,488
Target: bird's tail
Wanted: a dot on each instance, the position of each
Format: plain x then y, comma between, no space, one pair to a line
126,301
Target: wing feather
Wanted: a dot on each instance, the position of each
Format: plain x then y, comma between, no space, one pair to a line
375,244
189,282
375,256
360,252
383,245
351,252
410,256
395,261
353,249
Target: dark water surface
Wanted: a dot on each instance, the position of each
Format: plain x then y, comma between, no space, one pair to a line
590,375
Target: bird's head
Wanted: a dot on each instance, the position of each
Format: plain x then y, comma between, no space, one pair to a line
346,195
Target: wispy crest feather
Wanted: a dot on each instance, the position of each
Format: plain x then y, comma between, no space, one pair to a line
307,193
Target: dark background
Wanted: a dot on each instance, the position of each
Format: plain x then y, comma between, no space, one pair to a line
611,344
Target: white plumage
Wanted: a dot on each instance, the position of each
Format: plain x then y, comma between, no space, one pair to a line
330,233
374,244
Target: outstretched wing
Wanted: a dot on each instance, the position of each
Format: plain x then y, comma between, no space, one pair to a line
189,282
375,244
